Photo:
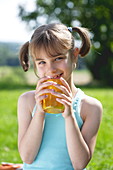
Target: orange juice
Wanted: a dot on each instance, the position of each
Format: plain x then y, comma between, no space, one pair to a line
50,105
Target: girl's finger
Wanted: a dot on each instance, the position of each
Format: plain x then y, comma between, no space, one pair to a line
64,82
44,85
62,88
40,98
39,102
62,96
64,102
43,92
42,80
67,106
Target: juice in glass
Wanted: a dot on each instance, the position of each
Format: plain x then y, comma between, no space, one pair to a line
50,105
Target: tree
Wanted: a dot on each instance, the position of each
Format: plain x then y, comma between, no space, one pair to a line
97,15
8,54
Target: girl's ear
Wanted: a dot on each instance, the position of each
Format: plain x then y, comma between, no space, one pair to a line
76,53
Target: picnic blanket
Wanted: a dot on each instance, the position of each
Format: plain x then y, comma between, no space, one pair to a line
10,166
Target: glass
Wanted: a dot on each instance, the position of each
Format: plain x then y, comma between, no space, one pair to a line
50,105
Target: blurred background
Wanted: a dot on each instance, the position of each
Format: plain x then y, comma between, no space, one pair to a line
94,74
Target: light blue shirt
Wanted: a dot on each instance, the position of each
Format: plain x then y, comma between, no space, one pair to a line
53,153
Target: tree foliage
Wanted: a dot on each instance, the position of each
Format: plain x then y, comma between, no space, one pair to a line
9,54
97,15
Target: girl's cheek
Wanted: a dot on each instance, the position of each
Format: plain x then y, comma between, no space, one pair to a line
41,72
39,68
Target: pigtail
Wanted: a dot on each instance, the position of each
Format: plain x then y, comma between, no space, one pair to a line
24,56
86,43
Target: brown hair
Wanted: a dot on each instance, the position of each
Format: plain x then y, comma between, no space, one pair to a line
54,39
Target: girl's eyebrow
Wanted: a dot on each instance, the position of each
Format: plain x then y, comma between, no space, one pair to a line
38,59
57,55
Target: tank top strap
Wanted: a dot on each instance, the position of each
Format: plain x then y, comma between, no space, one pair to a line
76,106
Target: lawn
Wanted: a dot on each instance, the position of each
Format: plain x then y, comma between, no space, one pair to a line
103,155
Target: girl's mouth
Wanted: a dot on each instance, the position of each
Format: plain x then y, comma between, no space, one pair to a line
57,76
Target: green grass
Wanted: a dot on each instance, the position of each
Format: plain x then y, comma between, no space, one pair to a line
8,126
103,155
10,89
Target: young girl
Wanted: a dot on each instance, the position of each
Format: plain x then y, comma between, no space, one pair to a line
63,141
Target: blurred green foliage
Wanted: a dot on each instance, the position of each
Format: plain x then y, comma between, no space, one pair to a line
15,77
97,15
9,53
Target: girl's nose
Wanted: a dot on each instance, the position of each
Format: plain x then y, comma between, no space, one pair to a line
52,68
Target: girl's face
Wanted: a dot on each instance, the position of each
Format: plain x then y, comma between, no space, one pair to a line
56,66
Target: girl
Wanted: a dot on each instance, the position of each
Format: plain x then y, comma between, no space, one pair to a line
63,141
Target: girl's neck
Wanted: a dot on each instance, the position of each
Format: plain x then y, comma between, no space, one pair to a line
74,89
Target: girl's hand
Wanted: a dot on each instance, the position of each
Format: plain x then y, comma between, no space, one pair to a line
65,97
41,91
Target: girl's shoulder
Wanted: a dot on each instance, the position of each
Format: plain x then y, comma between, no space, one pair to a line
27,99
90,107
91,101
28,94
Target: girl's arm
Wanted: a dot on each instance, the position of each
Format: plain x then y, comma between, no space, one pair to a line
81,144
30,129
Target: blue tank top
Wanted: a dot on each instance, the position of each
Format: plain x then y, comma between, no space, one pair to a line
53,153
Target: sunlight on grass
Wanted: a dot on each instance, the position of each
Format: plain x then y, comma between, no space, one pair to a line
103,157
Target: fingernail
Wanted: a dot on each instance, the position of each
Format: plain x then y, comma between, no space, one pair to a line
48,77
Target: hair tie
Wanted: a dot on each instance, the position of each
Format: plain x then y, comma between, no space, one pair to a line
70,29
30,41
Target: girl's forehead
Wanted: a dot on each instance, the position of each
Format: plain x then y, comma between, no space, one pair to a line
42,53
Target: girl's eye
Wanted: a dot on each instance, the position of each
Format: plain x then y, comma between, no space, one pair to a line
59,58
41,62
